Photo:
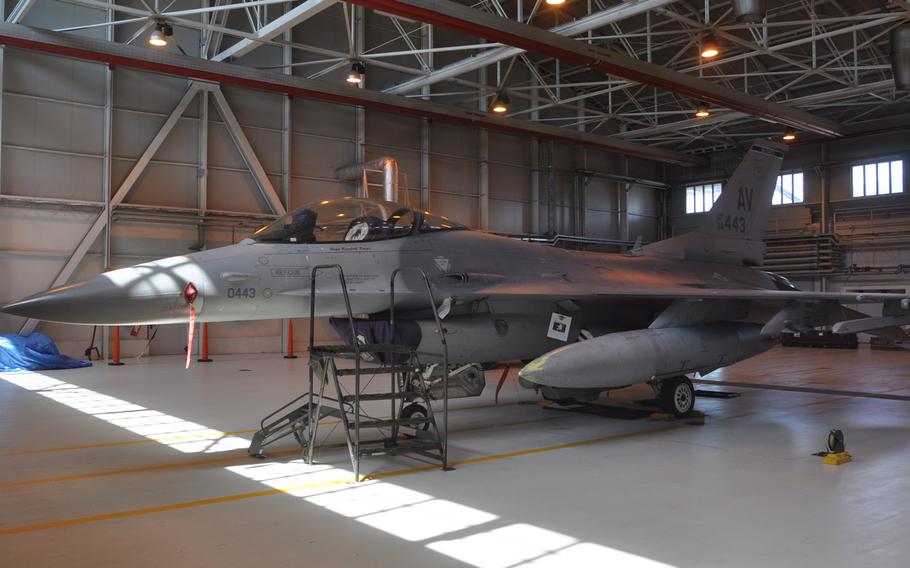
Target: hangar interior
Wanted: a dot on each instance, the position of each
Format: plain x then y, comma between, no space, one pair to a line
116,152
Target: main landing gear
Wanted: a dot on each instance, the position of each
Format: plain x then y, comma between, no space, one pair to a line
676,395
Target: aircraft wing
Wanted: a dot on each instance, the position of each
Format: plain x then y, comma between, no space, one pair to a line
558,291
809,309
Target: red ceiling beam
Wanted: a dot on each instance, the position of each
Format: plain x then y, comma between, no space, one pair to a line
487,26
79,47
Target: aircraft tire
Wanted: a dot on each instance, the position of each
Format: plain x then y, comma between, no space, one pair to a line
677,396
416,410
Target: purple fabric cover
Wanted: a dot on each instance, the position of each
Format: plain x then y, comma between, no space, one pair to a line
377,331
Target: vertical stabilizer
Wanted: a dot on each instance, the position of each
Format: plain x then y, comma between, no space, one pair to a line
732,231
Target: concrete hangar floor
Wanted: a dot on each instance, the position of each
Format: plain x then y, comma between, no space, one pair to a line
146,465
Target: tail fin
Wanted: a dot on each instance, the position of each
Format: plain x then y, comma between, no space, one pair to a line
732,231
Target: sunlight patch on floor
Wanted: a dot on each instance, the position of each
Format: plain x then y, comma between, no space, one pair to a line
418,517
475,537
182,435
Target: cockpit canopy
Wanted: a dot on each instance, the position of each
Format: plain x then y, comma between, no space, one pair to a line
351,220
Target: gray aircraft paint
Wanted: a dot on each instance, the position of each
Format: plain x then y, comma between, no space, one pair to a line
647,309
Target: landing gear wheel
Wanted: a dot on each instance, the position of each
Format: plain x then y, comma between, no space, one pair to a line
677,396
415,410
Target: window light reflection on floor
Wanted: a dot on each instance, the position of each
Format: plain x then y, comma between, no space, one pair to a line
418,517
405,513
182,435
463,533
529,546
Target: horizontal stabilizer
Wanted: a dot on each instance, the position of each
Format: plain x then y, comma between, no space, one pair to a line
870,325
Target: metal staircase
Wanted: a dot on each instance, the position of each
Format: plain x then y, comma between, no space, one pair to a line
408,393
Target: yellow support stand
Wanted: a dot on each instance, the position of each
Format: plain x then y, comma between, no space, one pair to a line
661,416
695,418
837,458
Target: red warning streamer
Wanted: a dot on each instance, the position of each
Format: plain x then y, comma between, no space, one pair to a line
189,336
189,294
502,381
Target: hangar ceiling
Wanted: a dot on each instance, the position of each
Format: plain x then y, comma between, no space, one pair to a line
634,70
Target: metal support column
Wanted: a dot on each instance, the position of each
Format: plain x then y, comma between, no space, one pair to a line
535,173
360,135
622,201
107,128
483,155
483,182
535,186
424,164
580,182
824,184
426,42
287,137
202,171
551,189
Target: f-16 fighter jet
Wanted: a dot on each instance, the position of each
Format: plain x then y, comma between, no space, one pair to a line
583,322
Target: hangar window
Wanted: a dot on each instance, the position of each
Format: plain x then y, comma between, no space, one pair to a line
700,198
879,178
789,189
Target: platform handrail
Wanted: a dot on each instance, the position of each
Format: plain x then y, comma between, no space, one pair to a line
354,344
443,344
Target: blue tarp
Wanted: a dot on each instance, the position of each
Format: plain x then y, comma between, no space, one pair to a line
33,352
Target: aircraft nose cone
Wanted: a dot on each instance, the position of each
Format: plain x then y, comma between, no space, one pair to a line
148,293
57,304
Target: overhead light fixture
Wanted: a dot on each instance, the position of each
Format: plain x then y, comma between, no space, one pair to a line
159,35
358,70
789,135
709,47
500,103
556,2
702,111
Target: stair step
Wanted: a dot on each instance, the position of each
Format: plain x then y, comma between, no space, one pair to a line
295,415
332,350
375,370
382,396
391,422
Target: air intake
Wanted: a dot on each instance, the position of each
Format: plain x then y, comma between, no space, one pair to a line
900,57
750,11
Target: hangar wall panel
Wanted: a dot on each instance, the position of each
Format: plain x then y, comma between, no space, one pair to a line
52,146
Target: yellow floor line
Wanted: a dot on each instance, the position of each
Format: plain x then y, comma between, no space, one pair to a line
281,453
269,492
528,452
129,470
164,440
373,476
224,458
173,439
